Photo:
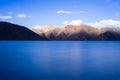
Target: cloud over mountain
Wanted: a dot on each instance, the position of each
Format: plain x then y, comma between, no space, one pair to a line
105,23
98,24
73,22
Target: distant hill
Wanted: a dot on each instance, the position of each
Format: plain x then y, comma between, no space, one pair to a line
9,31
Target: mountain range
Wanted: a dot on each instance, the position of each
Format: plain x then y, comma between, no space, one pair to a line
81,32
9,31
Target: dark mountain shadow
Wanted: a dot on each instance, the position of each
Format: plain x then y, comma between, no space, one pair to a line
9,31
109,35
80,36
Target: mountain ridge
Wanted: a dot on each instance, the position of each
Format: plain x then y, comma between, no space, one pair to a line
9,31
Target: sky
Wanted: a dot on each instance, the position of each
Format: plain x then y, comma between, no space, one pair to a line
31,13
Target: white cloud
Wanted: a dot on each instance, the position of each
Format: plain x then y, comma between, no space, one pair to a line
105,23
23,16
98,24
6,17
37,27
64,12
74,22
69,12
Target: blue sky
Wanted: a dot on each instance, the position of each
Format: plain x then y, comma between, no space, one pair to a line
41,12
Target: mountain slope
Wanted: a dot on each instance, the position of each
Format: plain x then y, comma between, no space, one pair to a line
10,31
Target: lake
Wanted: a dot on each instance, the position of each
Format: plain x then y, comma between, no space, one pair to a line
59,60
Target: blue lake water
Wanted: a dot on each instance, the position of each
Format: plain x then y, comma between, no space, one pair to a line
59,60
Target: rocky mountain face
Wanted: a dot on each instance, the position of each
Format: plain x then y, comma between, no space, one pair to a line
82,32
10,31
44,29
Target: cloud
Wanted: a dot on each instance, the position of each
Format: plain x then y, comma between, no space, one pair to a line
37,27
64,12
97,24
69,12
23,16
73,22
10,16
105,23
6,17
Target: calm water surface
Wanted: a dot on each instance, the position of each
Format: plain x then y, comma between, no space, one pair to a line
59,60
